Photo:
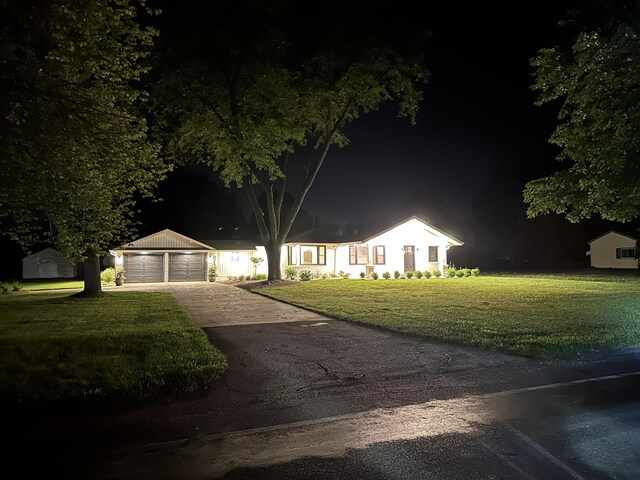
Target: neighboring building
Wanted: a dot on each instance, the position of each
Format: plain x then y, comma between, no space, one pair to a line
48,263
168,256
613,250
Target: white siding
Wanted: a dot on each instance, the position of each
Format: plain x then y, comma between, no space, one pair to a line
327,268
165,239
227,266
603,251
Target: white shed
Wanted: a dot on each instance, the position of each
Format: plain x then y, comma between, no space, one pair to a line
613,250
47,263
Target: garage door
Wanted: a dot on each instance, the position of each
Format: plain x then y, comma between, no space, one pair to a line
144,268
187,267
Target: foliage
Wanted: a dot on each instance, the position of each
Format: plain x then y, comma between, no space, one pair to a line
475,272
212,270
305,275
259,276
362,275
460,273
253,99
597,81
427,274
120,272
291,272
396,274
418,274
452,272
375,276
119,347
74,153
108,275
408,274
437,273
533,315
342,274
256,260
7,288
386,275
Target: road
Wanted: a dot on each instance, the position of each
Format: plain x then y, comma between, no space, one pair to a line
331,399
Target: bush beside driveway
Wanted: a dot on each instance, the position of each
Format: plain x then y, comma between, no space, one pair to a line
121,347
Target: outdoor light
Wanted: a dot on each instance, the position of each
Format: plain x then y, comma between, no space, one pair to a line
210,259
119,259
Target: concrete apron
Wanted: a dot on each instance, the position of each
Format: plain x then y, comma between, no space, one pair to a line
217,305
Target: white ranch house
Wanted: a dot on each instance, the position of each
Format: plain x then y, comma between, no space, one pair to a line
168,256
613,250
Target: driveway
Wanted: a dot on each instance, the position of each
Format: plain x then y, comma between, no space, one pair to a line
307,396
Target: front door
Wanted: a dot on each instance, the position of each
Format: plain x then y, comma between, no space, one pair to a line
409,258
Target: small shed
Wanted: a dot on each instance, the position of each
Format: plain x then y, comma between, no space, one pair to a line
47,263
613,250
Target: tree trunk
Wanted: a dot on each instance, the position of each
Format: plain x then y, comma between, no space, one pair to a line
92,285
273,258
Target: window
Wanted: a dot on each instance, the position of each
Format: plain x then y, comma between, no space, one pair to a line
358,254
628,252
378,255
235,256
433,254
292,257
313,255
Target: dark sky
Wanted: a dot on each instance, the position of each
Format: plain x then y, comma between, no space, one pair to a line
478,139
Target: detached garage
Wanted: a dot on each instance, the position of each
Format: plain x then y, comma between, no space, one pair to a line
166,256
47,263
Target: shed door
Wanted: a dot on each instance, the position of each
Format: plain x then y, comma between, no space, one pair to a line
143,268
409,258
187,267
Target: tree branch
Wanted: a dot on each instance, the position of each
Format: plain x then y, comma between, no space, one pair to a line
257,211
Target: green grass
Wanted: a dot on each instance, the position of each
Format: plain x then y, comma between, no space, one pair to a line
33,285
124,346
533,315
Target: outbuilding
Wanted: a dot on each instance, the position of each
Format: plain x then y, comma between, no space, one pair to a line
48,263
613,250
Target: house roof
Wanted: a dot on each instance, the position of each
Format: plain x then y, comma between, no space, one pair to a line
359,233
165,240
611,231
52,252
231,244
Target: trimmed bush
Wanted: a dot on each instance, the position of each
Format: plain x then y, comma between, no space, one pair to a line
108,275
362,275
291,272
460,273
341,274
386,275
452,272
374,275
437,273
396,274
475,272
466,272
306,275
418,274
408,274
427,274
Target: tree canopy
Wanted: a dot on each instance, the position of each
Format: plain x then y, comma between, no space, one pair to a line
74,152
258,104
597,80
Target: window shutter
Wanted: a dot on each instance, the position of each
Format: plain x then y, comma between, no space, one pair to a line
618,253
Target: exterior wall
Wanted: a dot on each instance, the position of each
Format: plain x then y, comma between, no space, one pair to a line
603,251
48,263
412,233
227,266
119,257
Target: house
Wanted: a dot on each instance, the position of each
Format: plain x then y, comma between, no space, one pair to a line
168,256
48,263
613,250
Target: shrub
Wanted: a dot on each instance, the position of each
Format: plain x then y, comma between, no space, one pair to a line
4,289
418,274
408,274
374,275
451,272
325,276
437,273
291,272
16,287
241,278
475,272
460,273
396,274
306,275
427,274
108,275
386,275
466,272
120,271
362,275
10,287
341,274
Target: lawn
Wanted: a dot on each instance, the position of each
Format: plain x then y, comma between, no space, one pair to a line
54,284
124,346
533,316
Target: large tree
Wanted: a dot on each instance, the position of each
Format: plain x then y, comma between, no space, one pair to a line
257,103
74,152
596,77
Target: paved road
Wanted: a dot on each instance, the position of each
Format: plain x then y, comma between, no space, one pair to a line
320,398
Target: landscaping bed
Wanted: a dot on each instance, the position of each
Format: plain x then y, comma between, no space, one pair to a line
533,316
125,346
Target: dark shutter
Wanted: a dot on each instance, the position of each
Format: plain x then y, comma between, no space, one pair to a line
322,253
618,253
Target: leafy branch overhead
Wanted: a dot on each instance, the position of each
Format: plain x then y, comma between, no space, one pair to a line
597,82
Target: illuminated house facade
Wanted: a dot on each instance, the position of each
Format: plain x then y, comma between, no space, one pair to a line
168,256
613,250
